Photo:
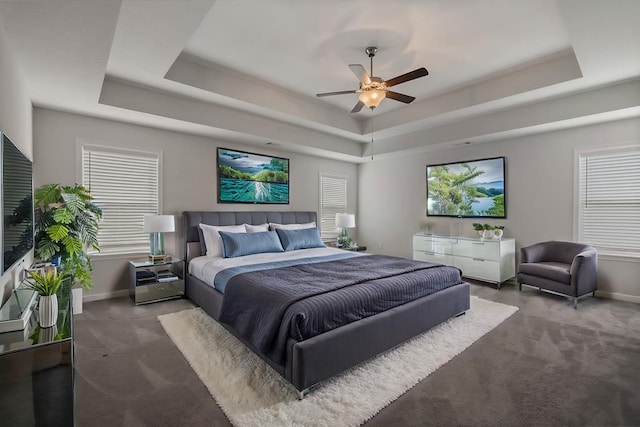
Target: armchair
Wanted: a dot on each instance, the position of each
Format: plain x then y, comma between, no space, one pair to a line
566,268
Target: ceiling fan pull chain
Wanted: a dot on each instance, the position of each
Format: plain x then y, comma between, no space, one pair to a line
371,140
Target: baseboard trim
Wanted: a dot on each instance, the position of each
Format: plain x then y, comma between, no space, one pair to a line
124,292
105,295
618,296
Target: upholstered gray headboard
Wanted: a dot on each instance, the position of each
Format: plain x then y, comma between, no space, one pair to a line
191,219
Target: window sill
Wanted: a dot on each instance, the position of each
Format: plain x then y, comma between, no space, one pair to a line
618,256
127,256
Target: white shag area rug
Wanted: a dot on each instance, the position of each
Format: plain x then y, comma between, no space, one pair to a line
251,393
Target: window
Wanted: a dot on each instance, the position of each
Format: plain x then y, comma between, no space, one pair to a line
609,201
125,184
333,200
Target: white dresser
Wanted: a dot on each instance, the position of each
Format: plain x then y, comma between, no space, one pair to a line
483,259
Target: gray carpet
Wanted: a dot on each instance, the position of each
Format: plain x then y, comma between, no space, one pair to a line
546,365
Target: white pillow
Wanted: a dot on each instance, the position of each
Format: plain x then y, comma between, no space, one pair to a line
275,226
256,228
212,240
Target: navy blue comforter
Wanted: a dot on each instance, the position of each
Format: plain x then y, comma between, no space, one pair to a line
266,307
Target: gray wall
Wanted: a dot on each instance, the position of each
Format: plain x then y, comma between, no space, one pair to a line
540,195
15,121
189,175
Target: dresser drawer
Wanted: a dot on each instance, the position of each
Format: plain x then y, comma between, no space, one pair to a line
477,249
438,245
479,268
433,257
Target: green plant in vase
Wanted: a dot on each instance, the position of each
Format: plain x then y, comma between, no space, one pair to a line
478,227
66,226
46,283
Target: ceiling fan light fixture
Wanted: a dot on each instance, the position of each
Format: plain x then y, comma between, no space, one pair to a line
372,98
373,89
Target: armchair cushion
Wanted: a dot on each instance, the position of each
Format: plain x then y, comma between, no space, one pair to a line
556,271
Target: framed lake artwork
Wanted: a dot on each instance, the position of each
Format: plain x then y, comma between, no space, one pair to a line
471,189
245,177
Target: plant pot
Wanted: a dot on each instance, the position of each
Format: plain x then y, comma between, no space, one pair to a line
47,334
76,296
48,310
487,234
497,233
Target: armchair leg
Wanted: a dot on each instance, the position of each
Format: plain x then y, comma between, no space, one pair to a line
575,303
593,294
519,286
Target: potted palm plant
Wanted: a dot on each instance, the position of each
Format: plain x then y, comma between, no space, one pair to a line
46,284
66,227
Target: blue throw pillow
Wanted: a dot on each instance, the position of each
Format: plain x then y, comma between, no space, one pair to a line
300,239
240,244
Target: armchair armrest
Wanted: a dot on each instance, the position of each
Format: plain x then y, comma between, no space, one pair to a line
584,272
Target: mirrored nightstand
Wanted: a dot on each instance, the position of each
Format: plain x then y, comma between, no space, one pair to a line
151,281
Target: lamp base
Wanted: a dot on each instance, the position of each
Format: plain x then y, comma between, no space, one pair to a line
343,239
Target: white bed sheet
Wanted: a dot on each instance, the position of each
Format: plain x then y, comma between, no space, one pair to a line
205,268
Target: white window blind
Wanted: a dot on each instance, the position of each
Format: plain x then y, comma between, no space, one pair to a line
609,201
125,185
333,200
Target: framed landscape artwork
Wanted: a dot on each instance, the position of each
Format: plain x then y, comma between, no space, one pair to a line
245,177
472,189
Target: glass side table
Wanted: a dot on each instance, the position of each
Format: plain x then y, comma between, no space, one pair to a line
151,281
36,369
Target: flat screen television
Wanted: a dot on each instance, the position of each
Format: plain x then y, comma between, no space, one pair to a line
471,189
245,177
17,203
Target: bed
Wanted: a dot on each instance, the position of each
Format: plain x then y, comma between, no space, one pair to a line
306,362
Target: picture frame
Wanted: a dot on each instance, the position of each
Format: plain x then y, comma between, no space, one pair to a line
246,177
467,189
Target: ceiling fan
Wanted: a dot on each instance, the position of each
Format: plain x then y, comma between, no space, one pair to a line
373,89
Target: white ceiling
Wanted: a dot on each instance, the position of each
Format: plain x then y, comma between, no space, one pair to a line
248,70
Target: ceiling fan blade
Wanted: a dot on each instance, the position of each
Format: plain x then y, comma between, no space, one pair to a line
420,72
360,73
344,92
399,97
358,107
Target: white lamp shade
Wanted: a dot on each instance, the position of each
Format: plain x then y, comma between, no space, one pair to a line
159,224
345,220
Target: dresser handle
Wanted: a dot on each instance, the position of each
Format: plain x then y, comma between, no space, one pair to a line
478,259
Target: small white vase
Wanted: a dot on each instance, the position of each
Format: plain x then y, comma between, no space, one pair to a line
487,234
48,310
47,334
497,233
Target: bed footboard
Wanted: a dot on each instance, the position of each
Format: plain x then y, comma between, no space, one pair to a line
321,357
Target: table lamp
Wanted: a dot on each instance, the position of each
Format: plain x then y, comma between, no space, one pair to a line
344,221
155,225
